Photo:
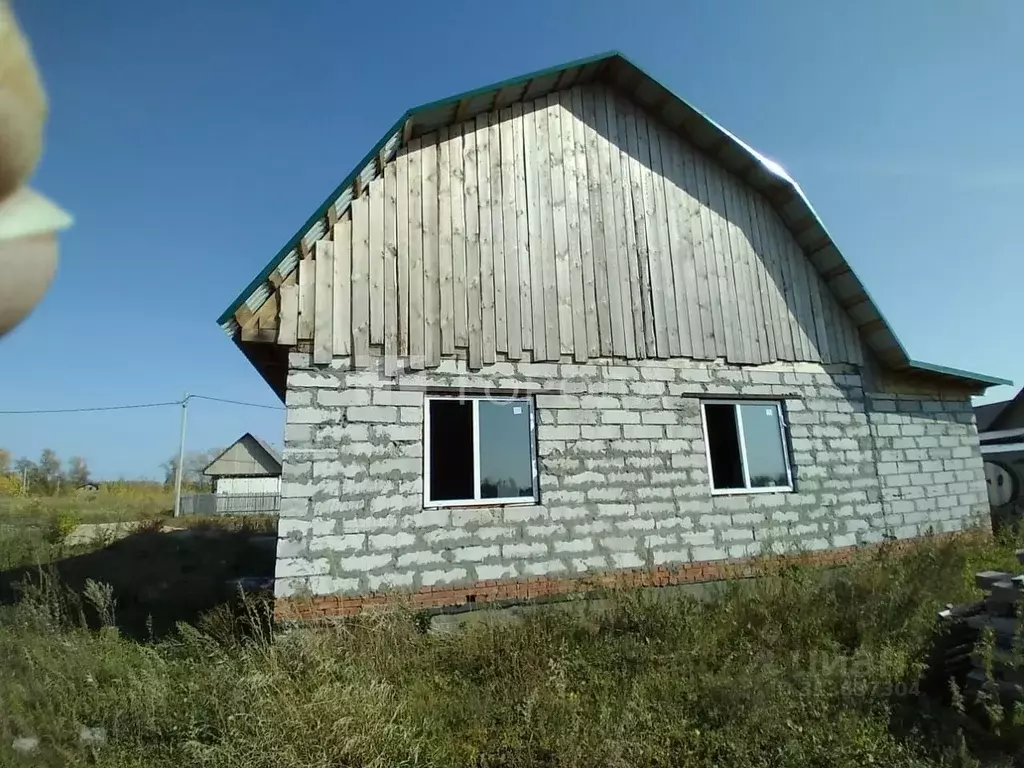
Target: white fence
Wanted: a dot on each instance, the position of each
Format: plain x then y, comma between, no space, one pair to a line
230,504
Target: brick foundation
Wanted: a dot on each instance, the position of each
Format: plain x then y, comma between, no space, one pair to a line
536,587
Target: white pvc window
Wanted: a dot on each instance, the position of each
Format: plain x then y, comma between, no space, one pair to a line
478,451
746,446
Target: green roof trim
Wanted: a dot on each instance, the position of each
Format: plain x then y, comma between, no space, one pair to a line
322,210
980,378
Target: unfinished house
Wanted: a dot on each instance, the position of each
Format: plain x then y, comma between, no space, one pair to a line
566,329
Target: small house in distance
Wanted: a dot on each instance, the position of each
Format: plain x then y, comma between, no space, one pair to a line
249,466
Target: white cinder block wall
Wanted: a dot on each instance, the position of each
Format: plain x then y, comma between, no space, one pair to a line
623,473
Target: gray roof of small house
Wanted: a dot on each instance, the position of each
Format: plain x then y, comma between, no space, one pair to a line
992,416
263,445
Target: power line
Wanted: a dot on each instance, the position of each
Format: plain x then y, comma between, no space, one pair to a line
236,402
94,408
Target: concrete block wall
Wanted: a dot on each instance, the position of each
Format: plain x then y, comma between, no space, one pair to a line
929,462
623,476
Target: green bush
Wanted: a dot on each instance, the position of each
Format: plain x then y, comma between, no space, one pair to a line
798,668
61,525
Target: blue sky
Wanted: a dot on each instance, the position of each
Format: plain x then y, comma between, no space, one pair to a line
191,139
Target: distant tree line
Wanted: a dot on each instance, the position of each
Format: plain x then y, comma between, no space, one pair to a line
48,475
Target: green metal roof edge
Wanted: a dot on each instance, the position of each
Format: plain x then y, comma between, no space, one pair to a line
320,213
322,210
969,375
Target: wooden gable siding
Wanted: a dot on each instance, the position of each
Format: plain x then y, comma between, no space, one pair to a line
571,226
244,458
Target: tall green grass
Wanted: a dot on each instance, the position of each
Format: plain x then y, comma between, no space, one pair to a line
793,669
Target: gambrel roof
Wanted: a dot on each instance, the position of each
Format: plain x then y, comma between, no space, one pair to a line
614,71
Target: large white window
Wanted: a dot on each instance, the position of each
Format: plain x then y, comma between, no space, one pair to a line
746,446
478,450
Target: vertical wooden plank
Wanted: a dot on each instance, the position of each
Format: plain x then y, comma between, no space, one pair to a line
632,313
801,291
595,181
650,224
618,284
342,331
376,238
288,314
572,221
531,152
817,309
497,233
634,179
589,289
483,177
563,291
854,342
390,267
472,208
802,345
762,282
743,262
458,187
639,287
805,277
776,281
701,296
547,233
307,298
444,242
431,278
733,313
656,134
510,237
522,230
687,308
323,321
360,281
416,350
711,259
835,322
403,160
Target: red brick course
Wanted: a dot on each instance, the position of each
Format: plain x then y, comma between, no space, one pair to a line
531,588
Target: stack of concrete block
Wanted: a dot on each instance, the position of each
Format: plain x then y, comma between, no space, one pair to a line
998,612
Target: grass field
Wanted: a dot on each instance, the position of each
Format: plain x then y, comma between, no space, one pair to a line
87,508
788,670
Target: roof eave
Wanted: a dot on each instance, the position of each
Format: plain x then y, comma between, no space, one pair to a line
957,373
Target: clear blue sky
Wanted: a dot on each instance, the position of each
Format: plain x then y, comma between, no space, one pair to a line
191,139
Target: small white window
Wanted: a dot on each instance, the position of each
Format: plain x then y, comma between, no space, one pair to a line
746,446
478,450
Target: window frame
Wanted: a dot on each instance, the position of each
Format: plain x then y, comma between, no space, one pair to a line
738,414
479,501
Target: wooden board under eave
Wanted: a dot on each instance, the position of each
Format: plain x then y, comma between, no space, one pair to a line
360,281
446,312
415,284
572,226
323,319
390,268
307,297
288,314
431,256
510,236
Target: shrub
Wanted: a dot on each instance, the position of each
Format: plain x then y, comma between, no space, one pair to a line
61,526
